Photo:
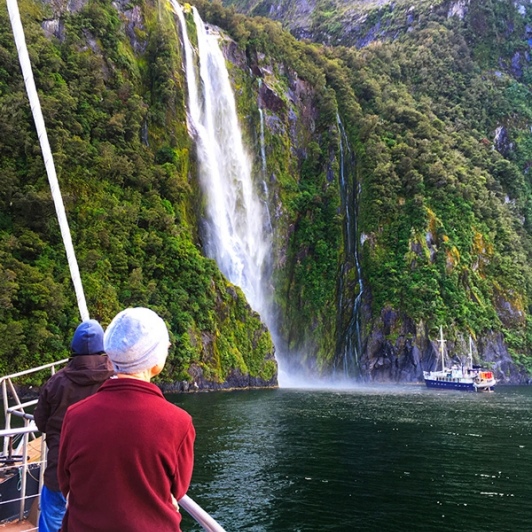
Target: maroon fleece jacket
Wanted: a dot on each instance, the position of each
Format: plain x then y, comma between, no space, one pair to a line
124,451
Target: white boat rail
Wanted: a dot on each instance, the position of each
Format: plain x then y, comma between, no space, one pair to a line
16,440
200,515
21,463
11,403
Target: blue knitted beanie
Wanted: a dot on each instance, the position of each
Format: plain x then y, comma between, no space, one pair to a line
88,339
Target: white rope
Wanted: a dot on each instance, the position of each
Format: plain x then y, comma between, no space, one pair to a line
35,105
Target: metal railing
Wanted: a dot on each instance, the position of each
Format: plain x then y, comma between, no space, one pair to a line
11,403
14,457
22,468
200,515
17,457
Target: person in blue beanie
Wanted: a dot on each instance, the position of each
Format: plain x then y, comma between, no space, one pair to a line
85,372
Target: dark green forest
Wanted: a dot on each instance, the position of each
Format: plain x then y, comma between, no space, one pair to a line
437,115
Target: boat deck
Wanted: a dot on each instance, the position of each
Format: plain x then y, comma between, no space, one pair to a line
18,526
26,525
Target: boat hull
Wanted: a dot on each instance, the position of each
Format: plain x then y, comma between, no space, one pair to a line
444,380
466,386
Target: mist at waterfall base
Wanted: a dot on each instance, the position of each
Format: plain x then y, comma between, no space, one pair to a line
403,459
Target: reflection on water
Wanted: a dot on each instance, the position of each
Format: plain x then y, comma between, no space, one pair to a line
373,459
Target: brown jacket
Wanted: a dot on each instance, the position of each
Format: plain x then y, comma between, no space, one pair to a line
82,377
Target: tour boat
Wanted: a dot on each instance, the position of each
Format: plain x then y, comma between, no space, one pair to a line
469,378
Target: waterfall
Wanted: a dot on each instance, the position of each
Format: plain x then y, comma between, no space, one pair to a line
265,193
237,227
348,346
193,110
262,143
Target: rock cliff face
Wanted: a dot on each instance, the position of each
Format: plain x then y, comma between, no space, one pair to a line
393,347
404,355
348,23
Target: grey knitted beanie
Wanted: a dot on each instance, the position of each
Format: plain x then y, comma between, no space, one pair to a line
136,339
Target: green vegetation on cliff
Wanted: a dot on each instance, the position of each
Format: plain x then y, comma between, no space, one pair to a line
439,117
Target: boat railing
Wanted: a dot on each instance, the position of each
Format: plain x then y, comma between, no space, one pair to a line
22,466
200,515
13,406
15,458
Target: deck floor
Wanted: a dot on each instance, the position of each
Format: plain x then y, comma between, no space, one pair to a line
30,523
17,526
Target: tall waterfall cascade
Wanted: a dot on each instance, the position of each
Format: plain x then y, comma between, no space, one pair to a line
238,232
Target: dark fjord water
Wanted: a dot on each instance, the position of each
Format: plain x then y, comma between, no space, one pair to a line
367,459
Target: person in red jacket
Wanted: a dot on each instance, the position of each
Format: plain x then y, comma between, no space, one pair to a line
126,454
81,377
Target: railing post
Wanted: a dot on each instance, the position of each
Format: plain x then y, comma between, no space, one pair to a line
44,458
6,404
24,474
8,425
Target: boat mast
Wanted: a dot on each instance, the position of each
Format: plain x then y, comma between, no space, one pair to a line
24,59
442,343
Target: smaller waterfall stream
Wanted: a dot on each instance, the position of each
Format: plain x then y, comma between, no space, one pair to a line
265,193
262,143
348,344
